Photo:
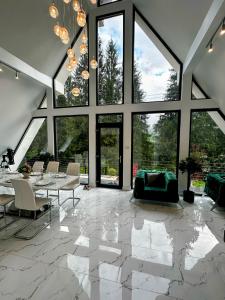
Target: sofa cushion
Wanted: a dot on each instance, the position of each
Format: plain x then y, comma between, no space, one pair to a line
155,180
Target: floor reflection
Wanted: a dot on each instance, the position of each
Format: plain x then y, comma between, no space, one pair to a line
107,248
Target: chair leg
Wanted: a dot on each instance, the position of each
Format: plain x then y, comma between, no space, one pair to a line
58,198
35,215
4,210
50,212
73,199
19,212
213,207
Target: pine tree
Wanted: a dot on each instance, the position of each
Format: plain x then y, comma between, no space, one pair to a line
101,71
78,81
112,88
138,93
172,92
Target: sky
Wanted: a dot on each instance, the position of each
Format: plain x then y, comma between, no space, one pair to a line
152,64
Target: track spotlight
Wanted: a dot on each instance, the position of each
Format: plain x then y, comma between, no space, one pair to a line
210,47
222,32
17,75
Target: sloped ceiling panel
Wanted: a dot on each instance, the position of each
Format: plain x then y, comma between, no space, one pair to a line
210,73
177,21
18,99
26,32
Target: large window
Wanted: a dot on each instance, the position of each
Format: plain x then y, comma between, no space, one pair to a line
71,135
66,81
102,2
197,92
155,71
110,60
207,144
155,141
34,143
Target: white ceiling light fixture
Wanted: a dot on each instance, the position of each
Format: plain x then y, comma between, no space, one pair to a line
68,14
222,32
215,36
17,75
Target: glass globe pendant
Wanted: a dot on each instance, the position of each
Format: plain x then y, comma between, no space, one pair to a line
85,74
73,61
93,63
76,92
76,5
69,67
67,1
81,18
57,29
63,34
84,38
83,49
70,53
65,41
53,11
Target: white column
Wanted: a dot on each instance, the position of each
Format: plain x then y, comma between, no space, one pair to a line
92,104
92,149
50,121
128,79
185,126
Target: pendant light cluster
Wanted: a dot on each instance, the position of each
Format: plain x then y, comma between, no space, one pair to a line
212,41
77,15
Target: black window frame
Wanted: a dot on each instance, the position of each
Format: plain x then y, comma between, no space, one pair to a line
63,62
136,11
99,18
178,111
55,135
99,5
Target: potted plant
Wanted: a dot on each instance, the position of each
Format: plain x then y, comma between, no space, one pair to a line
190,165
25,170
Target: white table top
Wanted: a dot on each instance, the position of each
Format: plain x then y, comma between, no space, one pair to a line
49,182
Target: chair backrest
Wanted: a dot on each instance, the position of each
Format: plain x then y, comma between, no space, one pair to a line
52,167
24,195
73,169
38,166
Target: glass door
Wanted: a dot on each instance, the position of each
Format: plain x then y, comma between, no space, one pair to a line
109,155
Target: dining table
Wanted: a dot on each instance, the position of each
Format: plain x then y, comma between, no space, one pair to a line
39,181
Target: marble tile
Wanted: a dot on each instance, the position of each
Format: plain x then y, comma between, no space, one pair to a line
108,248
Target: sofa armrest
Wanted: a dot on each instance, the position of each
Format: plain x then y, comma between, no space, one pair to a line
171,182
139,186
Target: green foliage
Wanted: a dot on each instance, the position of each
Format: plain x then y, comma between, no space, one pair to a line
190,165
198,183
112,172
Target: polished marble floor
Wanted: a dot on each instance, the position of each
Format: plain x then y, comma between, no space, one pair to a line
110,249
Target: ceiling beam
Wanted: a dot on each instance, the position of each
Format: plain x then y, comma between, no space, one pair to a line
17,64
209,25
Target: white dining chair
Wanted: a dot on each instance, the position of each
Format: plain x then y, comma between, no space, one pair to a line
52,167
73,169
38,166
25,199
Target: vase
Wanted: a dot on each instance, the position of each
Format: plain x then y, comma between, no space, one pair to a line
26,175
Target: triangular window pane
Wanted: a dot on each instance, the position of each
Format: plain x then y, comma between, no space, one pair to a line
156,71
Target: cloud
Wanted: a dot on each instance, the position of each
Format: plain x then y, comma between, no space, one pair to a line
155,69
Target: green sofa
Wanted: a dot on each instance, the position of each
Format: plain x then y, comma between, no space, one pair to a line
215,188
166,193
